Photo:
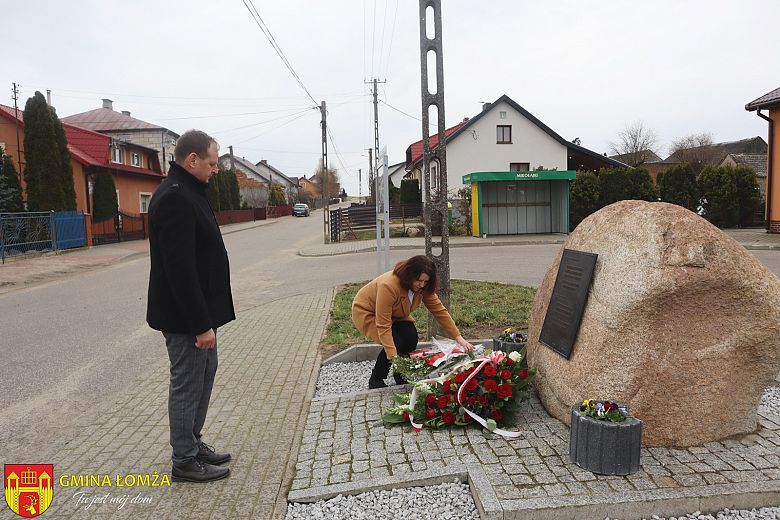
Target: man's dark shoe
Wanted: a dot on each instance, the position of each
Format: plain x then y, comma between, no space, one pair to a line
207,454
197,471
399,379
375,382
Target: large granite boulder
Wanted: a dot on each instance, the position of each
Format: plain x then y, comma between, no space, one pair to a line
681,323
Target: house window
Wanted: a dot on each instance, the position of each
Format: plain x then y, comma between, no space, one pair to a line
144,197
502,114
519,167
116,155
135,159
504,134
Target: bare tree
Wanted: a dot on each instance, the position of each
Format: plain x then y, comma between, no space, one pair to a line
332,177
636,144
696,149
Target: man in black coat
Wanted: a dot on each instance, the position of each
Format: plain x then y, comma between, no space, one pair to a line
189,298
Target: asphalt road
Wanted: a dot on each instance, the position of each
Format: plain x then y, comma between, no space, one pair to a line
71,344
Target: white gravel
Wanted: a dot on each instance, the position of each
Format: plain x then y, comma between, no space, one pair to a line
345,378
770,401
450,501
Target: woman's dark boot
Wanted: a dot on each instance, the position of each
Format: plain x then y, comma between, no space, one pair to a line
376,382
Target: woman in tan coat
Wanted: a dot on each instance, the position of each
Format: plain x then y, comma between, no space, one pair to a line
382,311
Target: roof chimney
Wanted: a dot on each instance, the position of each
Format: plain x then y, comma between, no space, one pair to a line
485,107
126,112
264,161
107,103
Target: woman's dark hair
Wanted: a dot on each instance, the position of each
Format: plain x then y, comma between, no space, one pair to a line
409,270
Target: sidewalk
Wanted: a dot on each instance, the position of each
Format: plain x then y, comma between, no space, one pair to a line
20,272
749,238
267,372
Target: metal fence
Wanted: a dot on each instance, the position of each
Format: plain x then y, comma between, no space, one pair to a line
120,227
37,232
359,217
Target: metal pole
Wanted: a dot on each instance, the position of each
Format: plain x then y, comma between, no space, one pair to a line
16,121
324,181
435,203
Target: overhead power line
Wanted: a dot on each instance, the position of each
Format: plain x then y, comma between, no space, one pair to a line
270,37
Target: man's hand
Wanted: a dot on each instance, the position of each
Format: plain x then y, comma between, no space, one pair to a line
206,340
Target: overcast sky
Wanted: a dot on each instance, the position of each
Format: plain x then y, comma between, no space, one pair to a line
584,68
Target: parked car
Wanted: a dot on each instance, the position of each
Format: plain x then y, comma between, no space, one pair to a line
301,210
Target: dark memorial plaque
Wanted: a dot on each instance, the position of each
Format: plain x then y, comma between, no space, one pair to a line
567,302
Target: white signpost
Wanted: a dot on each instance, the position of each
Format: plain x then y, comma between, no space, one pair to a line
382,192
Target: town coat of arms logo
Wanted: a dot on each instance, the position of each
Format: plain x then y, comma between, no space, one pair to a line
28,488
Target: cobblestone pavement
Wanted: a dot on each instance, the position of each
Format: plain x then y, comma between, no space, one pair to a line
268,367
347,449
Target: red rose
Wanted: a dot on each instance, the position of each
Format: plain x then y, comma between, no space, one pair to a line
522,374
504,391
470,400
506,375
483,401
467,418
472,385
430,399
460,377
490,385
443,401
448,417
509,361
489,371
429,413
446,385
406,417
496,414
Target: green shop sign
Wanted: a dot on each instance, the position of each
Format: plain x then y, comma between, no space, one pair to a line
541,175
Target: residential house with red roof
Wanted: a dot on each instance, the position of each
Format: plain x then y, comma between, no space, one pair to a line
127,129
135,169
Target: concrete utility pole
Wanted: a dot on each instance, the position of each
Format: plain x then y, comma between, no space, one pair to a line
435,203
360,185
376,139
324,180
232,159
16,122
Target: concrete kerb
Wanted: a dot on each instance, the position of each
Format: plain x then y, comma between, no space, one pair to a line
664,503
481,490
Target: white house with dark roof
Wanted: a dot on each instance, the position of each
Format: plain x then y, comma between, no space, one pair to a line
125,128
260,175
505,137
